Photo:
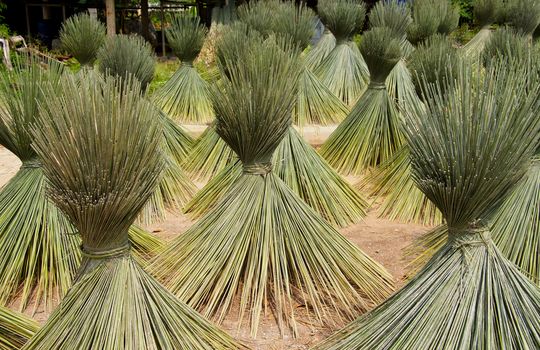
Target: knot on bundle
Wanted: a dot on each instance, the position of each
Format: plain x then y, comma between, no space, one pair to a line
464,239
106,253
472,235
261,169
377,85
31,163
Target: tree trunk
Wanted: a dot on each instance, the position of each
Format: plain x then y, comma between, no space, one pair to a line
111,17
145,20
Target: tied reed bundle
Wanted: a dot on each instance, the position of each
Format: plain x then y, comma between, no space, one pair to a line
486,12
124,56
295,161
523,15
315,103
396,16
15,329
185,97
519,211
344,71
100,147
468,147
82,36
261,242
431,17
433,62
39,245
298,165
370,134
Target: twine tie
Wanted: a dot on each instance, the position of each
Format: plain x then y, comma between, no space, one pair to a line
261,169
102,254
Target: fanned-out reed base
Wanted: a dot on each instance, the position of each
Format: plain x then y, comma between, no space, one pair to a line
467,297
209,156
321,50
520,212
400,86
39,247
261,242
401,199
175,188
37,243
344,72
185,97
305,172
369,136
127,309
473,49
178,143
315,103
15,329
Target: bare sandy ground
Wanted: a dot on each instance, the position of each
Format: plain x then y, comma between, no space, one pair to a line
382,239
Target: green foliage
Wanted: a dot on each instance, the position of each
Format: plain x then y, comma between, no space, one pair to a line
186,36
343,18
82,36
465,8
124,55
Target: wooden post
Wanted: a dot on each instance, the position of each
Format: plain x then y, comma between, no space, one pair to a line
162,13
145,20
111,17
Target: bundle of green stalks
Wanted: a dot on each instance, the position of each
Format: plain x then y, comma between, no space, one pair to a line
315,103
519,211
82,36
261,247
307,174
431,17
101,187
295,161
15,329
370,135
523,15
184,96
486,12
434,61
468,147
124,56
38,245
396,16
344,70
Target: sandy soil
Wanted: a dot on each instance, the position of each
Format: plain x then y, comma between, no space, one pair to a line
382,239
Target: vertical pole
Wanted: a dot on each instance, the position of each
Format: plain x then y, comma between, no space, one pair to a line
162,29
27,21
111,17
145,20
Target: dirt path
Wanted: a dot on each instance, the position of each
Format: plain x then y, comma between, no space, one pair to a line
381,239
